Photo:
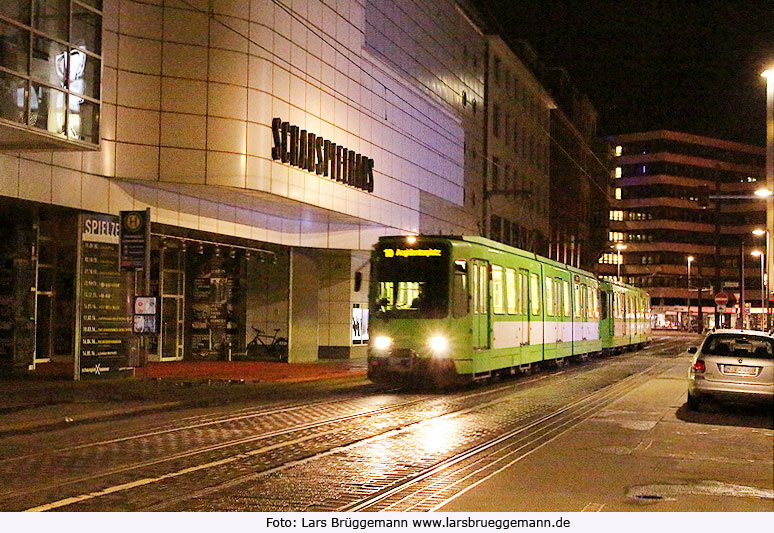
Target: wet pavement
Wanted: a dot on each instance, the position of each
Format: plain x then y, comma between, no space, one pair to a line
646,452
611,434
50,399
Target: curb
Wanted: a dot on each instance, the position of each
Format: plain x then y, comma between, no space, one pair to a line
22,428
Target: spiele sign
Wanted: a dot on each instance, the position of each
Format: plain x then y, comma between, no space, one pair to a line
312,153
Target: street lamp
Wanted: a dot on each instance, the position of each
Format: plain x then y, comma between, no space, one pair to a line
690,260
766,281
769,75
619,247
758,253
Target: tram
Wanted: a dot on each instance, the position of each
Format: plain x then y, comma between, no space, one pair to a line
455,309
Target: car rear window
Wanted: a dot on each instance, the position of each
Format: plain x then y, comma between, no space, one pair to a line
739,346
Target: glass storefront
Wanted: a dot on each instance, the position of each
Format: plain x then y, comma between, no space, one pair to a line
50,75
214,296
37,283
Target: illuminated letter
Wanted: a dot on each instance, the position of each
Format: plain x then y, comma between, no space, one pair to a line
276,151
302,149
327,157
320,161
370,175
310,153
293,145
339,149
285,154
351,168
344,165
358,182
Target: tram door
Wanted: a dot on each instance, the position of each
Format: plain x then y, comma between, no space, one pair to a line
480,299
524,303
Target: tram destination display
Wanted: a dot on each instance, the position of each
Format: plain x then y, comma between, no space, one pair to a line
104,326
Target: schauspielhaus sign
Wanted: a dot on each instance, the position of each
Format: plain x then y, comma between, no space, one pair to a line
312,153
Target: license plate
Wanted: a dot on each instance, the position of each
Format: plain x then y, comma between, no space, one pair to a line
739,370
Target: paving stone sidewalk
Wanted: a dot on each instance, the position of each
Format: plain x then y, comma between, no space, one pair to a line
30,403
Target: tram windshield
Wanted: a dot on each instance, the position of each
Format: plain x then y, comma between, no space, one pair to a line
411,283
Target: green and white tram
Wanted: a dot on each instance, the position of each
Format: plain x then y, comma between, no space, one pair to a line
455,309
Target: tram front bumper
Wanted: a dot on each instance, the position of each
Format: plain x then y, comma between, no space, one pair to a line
406,364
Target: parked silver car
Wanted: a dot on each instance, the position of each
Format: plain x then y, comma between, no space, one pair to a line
736,365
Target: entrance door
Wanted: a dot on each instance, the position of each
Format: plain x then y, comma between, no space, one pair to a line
172,290
480,299
45,269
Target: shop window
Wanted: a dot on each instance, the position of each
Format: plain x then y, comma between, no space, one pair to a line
359,324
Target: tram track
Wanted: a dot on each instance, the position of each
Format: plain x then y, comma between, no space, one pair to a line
286,432
288,437
529,438
432,488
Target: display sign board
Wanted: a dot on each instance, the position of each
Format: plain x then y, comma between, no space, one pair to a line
102,321
135,226
359,324
145,320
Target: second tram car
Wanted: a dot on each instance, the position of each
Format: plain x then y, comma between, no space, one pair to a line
456,309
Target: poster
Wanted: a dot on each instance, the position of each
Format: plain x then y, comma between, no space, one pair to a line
103,321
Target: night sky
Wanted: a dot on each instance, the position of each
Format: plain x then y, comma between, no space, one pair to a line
691,65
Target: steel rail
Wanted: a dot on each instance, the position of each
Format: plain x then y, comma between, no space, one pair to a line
558,420
285,431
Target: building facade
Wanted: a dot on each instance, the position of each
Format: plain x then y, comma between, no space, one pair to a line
518,110
580,182
272,146
685,211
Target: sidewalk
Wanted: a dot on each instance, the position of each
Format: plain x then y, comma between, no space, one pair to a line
51,399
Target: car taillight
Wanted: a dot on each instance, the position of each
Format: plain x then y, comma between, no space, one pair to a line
699,367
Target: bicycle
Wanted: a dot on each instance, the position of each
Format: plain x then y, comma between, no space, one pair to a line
264,346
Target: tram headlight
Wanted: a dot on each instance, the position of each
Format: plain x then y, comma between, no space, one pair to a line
439,345
382,343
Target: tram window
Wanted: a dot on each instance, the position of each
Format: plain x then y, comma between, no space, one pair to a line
589,303
511,293
523,292
411,287
498,296
475,286
460,295
567,305
534,293
603,307
558,296
482,281
578,296
549,297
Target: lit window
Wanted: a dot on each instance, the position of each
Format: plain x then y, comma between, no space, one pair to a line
510,282
618,150
616,215
498,296
618,172
549,297
618,193
534,290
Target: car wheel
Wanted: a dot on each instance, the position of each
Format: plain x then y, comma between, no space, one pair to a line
693,402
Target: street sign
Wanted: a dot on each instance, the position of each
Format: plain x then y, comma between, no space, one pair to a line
135,230
721,308
721,298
